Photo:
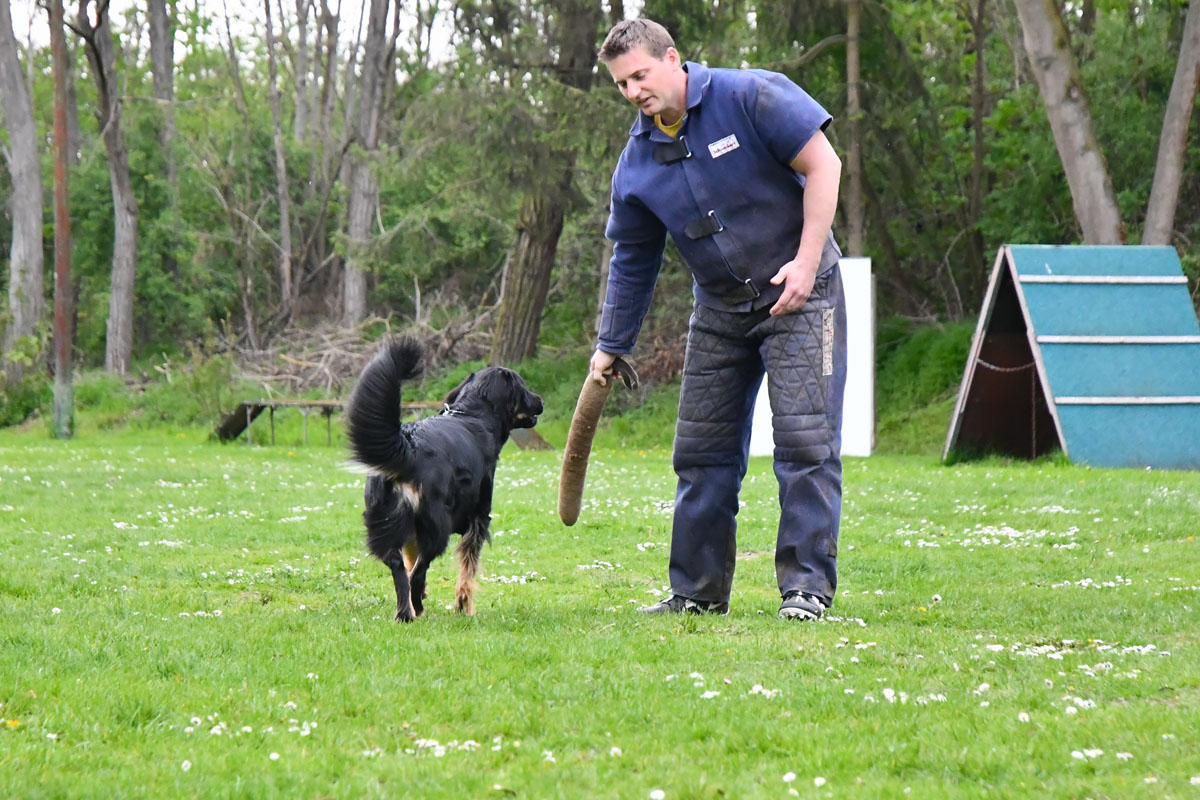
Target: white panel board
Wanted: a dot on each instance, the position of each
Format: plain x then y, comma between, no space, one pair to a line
858,409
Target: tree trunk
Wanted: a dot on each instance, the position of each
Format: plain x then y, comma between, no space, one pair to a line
855,208
74,134
572,30
300,120
527,269
616,12
64,296
1087,17
162,63
1172,143
1070,116
25,268
286,296
235,75
118,346
362,195
975,254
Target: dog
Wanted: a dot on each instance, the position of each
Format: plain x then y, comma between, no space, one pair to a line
433,477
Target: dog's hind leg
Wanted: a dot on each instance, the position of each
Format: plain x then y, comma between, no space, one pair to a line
411,551
390,532
468,565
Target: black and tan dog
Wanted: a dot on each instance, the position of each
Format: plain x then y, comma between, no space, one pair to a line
432,477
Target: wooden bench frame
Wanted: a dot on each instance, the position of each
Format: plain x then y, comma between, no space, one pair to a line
241,418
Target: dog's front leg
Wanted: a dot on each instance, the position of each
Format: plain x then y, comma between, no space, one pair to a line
416,579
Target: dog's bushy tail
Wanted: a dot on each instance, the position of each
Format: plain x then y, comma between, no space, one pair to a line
373,413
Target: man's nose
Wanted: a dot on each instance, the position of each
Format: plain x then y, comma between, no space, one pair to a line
632,90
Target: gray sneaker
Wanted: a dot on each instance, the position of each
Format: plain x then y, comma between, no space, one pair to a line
801,606
674,604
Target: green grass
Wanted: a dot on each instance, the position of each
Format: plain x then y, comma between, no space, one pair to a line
168,601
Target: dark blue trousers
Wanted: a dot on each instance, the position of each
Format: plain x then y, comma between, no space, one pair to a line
803,355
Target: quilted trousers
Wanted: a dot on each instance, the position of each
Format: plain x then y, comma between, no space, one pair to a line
803,355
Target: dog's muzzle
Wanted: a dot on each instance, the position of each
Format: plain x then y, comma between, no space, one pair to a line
528,417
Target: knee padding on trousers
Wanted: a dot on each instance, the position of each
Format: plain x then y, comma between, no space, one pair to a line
800,351
713,403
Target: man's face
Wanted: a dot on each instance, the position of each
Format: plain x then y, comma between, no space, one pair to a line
654,85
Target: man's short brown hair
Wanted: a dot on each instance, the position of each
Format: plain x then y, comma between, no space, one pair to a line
630,33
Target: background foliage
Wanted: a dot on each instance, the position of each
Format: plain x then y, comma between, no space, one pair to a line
469,128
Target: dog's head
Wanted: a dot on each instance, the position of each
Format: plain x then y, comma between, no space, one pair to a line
503,392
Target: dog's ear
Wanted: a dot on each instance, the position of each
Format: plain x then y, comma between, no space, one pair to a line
513,395
452,397
521,405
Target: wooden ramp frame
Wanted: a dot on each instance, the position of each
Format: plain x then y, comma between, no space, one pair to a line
1092,349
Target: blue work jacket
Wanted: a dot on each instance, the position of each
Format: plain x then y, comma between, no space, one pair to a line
724,190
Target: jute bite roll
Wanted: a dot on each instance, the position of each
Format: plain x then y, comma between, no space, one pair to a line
579,439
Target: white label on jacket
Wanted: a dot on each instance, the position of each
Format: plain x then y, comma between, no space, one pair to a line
723,146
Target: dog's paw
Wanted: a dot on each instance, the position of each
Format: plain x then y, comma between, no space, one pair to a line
405,615
465,603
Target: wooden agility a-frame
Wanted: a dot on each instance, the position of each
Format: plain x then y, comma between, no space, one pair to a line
1094,350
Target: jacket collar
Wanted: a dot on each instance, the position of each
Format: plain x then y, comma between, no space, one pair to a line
699,77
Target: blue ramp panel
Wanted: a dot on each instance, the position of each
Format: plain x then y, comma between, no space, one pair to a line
1095,260
1162,436
1116,343
1117,339
1122,370
1110,309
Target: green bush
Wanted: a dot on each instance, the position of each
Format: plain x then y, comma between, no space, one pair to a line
21,400
918,369
188,394
194,393
917,365
24,385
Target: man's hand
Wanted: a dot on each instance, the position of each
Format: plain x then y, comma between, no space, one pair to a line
798,280
601,363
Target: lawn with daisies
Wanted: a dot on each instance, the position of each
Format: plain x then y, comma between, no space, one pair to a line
184,619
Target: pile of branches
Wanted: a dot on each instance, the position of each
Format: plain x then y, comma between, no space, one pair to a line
329,358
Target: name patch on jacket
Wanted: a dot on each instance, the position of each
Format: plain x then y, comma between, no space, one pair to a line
723,146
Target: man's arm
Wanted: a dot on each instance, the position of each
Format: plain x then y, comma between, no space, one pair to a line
822,171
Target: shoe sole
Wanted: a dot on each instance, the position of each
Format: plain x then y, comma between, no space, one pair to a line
652,611
798,613
795,612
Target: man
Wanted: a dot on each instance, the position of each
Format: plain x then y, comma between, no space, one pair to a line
734,164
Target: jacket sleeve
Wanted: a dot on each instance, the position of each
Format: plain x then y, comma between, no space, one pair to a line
638,241
786,116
